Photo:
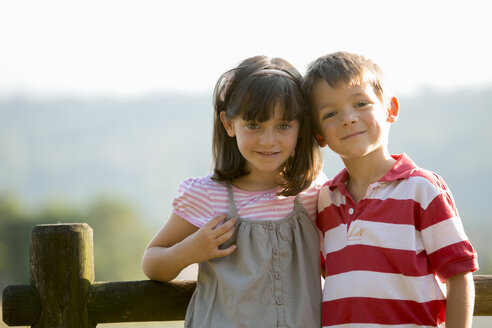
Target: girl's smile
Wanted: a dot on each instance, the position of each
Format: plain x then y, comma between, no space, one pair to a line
268,154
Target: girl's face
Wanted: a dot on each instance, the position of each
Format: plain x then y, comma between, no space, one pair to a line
267,145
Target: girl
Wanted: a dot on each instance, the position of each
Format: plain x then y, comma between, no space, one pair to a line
259,266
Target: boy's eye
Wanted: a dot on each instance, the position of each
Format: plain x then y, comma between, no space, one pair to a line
360,104
328,115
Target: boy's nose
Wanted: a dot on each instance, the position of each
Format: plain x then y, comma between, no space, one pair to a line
349,118
350,121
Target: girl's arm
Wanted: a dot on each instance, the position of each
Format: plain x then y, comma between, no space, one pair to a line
460,300
179,244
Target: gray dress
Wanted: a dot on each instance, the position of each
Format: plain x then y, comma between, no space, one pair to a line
272,279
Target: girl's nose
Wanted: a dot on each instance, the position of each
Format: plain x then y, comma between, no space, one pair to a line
268,137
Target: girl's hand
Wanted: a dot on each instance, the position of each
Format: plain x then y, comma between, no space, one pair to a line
204,243
179,244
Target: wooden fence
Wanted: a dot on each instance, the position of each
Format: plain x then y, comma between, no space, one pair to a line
62,291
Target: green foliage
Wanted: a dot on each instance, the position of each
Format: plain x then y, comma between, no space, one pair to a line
119,240
14,243
119,237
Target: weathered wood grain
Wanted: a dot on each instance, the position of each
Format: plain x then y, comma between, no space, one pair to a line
134,301
62,271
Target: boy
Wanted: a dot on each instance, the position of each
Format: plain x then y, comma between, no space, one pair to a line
394,247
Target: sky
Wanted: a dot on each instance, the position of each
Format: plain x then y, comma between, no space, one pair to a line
134,48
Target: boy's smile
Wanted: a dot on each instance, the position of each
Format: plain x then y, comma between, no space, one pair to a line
353,121
353,135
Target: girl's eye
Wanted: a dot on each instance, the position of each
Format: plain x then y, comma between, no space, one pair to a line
285,126
252,125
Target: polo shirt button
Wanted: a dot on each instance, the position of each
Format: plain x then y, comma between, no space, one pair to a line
271,226
351,211
275,250
279,301
277,275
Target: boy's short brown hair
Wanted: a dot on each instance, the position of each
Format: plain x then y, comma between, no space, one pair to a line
345,69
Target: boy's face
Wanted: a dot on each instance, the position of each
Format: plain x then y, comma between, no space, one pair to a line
352,120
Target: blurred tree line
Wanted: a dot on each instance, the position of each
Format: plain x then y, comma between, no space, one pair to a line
120,237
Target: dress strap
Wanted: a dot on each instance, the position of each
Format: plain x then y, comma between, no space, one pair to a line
298,202
232,205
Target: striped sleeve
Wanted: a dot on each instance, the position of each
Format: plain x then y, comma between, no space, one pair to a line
445,241
192,202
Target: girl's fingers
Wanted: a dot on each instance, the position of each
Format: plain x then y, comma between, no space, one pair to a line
212,224
227,251
223,228
213,234
224,237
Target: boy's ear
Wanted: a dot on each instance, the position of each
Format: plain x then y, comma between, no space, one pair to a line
393,110
228,126
319,139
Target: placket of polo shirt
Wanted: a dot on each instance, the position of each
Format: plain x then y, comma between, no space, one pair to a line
355,230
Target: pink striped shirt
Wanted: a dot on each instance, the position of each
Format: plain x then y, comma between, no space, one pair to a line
201,199
387,256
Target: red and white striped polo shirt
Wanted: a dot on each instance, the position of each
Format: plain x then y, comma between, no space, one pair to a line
387,257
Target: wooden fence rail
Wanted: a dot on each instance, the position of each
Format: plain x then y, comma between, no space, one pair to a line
62,291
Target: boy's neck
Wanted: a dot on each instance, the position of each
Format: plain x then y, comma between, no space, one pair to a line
364,171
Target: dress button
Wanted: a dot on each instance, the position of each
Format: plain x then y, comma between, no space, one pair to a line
277,275
271,226
275,250
351,211
279,301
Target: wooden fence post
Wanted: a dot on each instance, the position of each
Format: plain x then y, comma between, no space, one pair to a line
62,271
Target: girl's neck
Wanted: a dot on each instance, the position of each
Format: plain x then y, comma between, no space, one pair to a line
256,183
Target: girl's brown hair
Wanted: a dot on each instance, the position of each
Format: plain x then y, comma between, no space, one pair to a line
252,89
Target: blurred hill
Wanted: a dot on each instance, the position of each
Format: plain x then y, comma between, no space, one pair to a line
139,150
79,149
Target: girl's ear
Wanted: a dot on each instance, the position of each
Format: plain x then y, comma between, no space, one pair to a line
228,126
319,139
393,110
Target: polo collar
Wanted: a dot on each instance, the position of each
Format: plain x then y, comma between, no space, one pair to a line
402,169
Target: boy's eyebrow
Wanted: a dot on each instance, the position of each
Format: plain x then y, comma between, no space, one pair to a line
327,104
358,94
355,95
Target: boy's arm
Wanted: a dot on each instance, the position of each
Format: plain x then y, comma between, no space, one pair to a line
460,300
179,244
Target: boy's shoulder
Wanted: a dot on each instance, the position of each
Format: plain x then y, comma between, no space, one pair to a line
428,177
407,171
